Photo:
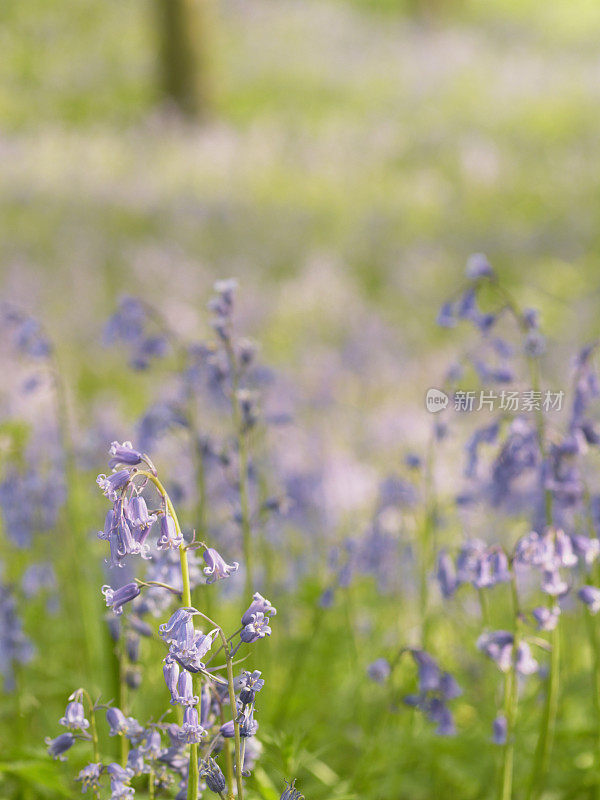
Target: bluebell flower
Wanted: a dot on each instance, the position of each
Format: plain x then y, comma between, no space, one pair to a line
446,317
497,645
291,793
169,538
258,604
449,687
116,721
211,772
136,763
478,267
535,344
248,725
140,521
74,717
185,690
114,483
171,675
119,781
134,731
248,684
124,454
90,777
186,644
117,598
379,670
437,711
191,730
525,663
553,584
152,747
499,730
58,747
546,618
256,629
446,574
590,595
429,672
216,568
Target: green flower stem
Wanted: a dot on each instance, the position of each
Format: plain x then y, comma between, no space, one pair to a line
242,443
93,729
122,696
228,760
511,699
232,702
186,598
151,784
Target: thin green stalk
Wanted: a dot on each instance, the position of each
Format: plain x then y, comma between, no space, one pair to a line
93,729
228,761
151,784
186,597
232,702
511,698
123,696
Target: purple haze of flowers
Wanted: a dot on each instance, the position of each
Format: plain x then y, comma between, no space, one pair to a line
116,598
590,595
15,646
216,568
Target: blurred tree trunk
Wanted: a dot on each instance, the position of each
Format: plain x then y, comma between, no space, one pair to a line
184,55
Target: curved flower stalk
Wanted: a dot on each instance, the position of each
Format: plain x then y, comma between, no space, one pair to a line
196,687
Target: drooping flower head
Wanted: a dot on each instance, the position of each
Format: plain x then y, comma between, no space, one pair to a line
216,567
